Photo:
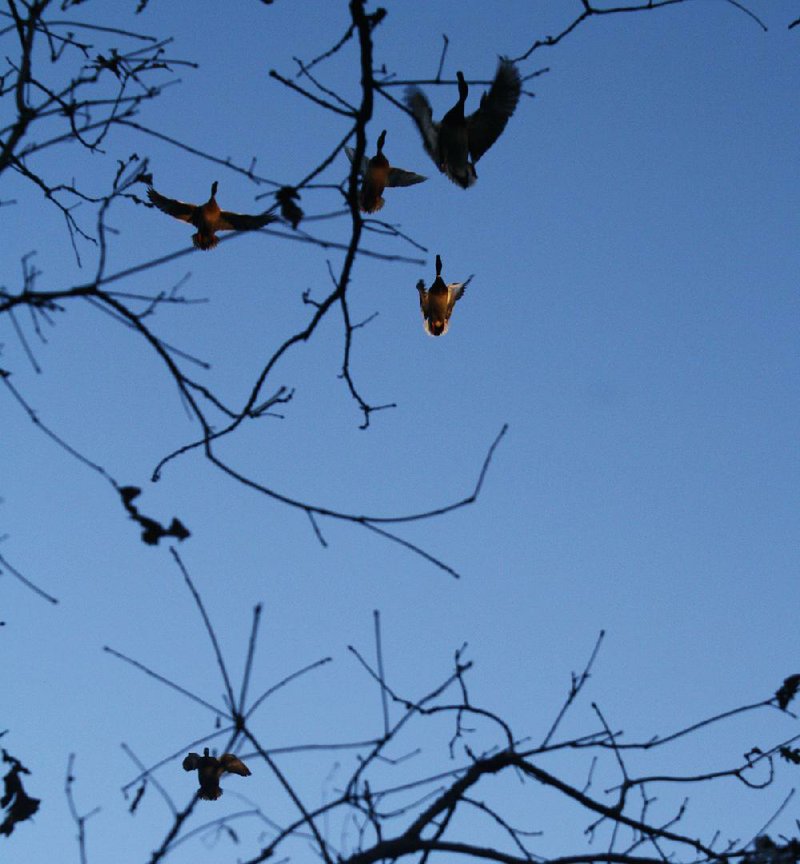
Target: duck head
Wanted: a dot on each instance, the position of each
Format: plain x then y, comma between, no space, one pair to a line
439,286
463,88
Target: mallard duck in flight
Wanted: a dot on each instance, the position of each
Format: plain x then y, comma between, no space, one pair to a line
438,301
457,142
208,218
378,174
210,769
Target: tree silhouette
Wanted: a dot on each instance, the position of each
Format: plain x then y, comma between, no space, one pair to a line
434,776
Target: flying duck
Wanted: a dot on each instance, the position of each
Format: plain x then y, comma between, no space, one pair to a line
210,769
378,174
208,218
457,142
438,301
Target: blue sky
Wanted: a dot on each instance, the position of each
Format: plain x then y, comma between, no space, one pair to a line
633,318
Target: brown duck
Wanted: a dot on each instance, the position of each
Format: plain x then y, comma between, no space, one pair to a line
208,218
378,174
210,769
457,142
438,301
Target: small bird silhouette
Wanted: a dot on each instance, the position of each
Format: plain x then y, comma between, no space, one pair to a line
208,218
210,769
457,142
291,212
438,301
378,174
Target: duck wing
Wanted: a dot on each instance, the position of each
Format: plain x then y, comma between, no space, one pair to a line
242,221
192,762
351,155
423,297
417,103
179,209
455,290
497,106
399,177
233,765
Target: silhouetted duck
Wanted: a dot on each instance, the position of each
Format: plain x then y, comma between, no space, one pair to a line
457,142
208,218
210,769
378,174
438,301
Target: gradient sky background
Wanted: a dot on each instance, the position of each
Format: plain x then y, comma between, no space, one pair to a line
633,318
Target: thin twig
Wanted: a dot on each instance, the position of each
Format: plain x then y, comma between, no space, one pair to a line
379,652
